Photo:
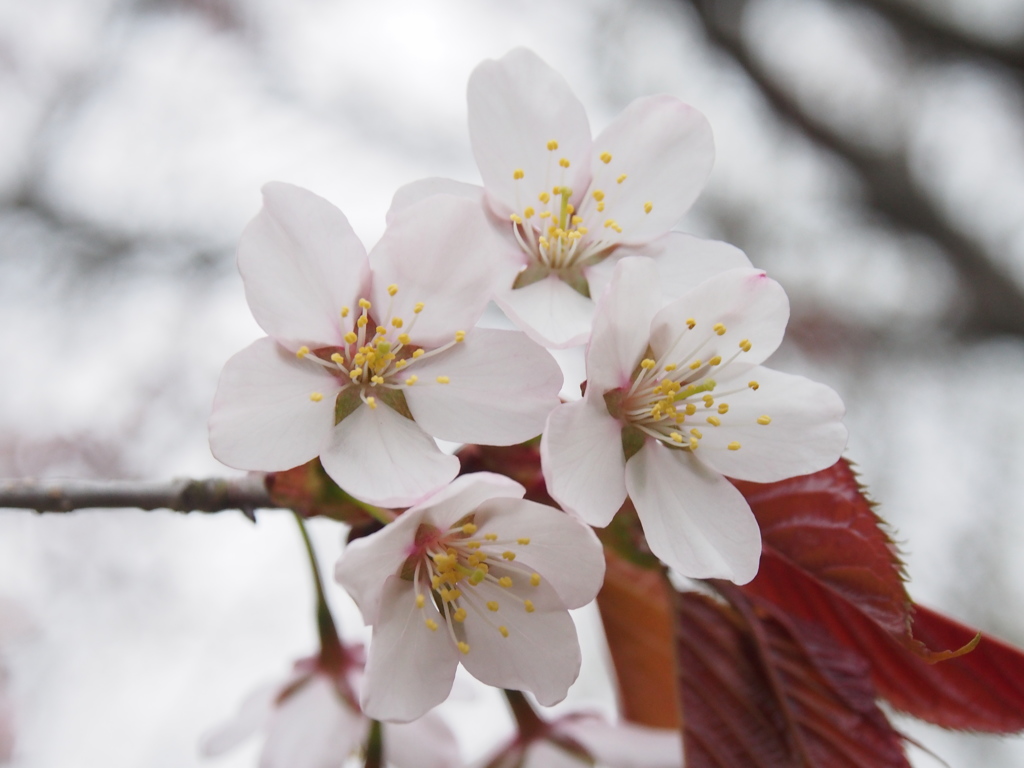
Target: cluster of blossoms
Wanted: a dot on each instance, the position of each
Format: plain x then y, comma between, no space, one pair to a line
369,358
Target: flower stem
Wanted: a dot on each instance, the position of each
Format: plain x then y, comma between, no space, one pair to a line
374,747
529,723
331,652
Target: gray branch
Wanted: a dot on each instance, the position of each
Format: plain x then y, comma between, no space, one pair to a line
211,495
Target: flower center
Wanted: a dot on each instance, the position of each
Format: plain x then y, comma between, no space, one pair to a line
559,232
373,362
462,574
674,399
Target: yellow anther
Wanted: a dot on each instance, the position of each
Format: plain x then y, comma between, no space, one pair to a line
418,353
621,179
345,311
316,397
733,446
528,213
745,345
355,373
418,308
337,358
696,433
473,544
600,207
464,647
431,625
670,367
523,541
691,409
400,364
693,444
552,145
491,536
302,352
528,605
505,581
443,379
676,437
753,385
690,323
460,336
564,162
372,402
516,218
364,304
647,363
582,231
361,322
469,529
557,190
381,330
606,157
397,322
764,420
610,223
648,206
598,195
504,630
403,338
518,173
723,407
377,379
509,555
708,401
492,605
544,197
714,421
411,380
435,581
718,328
420,600
695,365
534,579
360,358
716,360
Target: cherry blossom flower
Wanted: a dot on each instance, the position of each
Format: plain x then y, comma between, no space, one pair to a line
676,401
369,358
478,575
578,740
311,720
565,203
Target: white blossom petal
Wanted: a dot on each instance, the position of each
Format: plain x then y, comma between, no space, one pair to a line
301,263
440,252
694,519
544,754
581,454
410,668
622,325
805,432
625,745
252,716
419,190
562,550
424,743
464,495
383,458
541,653
501,388
265,416
549,311
750,305
661,154
517,105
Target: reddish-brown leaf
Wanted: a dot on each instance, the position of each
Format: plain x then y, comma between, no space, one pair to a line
520,462
636,612
762,690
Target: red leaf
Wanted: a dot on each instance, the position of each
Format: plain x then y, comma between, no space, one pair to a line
761,690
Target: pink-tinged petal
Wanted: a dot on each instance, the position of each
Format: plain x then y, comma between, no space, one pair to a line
501,388
313,728
622,325
561,549
550,312
683,262
301,263
464,495
441,252
385,459
411,668
263,416
625,745
544,754
581,454
751,306
252,716
424,743
805,433
541,653
366,563
517,105
665,151
419,190
694,519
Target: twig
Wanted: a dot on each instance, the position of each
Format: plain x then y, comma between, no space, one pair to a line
211,495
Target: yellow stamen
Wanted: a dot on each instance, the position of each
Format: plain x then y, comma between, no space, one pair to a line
464,647
491,536
764,420
723,408
528,605
372,402
564,162
505,581
716,360
552,145
418,353
523,541
460,336
745,345
647,207
411,380
345,311
509,555
714,421
647,363
518,173
316,397
718,328
691,323
621,179
431,625
302,352
443,379
606,157
420,600
504,630
733,446
418,308
534,579
676,437
364,304
753,385
469,529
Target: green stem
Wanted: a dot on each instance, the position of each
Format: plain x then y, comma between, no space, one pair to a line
384,516
530,725
374,747
330,645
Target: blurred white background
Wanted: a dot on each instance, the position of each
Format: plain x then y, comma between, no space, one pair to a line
870,157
